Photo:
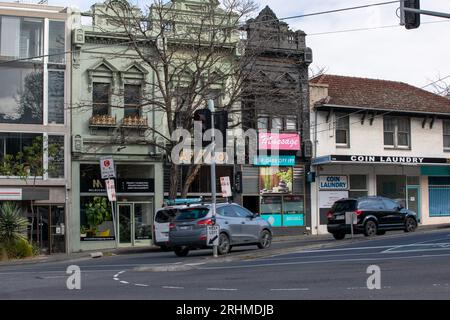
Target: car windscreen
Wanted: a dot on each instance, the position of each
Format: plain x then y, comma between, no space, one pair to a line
344,206
165,216
192,213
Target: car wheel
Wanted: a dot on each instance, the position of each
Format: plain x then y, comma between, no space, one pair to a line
410,225
224,244
381,233
265,239
181,251
370,228
339,236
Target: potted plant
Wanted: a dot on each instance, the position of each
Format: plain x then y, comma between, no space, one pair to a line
83,232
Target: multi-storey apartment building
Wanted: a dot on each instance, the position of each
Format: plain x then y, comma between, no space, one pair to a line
34,95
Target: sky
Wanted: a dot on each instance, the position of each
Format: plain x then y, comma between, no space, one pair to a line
417,57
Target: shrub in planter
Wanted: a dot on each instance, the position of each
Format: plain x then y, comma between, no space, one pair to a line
13,226
19,249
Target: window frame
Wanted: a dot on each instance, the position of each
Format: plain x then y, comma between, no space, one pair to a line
396,133
94,104
446,125
137,106
338,116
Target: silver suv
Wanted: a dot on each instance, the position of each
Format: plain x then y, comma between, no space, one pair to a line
238,227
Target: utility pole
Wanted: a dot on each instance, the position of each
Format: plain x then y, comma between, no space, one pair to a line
213,169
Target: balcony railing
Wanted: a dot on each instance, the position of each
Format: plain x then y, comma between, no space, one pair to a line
135,122
104,120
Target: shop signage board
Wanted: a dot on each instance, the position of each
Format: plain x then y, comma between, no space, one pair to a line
107,167
279,141
333,182
282,161
328,198
135,185
10,194
226,187
406,160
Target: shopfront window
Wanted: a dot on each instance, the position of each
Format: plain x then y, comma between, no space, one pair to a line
96,221
21,37
283,211
275,179
21,94
358,186
393,187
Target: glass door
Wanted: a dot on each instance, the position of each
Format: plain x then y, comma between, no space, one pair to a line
125,223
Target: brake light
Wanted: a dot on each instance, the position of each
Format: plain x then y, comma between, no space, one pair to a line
330,215
358,212
206,222
171,225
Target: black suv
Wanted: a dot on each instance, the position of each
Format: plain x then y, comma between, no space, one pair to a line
375,216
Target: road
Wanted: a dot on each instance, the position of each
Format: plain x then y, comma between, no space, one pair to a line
412,266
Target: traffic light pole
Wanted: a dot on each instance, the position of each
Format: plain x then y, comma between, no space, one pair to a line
213,169
428,13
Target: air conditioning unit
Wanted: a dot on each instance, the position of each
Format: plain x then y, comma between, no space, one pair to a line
308,56
78,38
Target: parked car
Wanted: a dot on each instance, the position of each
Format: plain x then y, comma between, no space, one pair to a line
238,226
375,216
167,214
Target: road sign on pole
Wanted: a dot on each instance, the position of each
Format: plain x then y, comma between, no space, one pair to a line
351,218
212,238
226,187
107,167
111,190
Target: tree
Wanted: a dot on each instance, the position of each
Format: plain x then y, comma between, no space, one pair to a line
192,50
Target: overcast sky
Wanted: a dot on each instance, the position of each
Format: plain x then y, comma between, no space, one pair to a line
416,56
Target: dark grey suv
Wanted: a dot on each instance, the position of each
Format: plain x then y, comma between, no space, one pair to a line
375,216
238,227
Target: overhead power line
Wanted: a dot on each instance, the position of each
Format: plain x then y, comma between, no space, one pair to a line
218,29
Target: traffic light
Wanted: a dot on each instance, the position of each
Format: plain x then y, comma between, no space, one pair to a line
204,116
412,19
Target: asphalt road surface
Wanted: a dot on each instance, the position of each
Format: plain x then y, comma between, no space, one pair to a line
411,266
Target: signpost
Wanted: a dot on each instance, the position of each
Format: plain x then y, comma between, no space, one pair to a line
213,171
108,171
351,218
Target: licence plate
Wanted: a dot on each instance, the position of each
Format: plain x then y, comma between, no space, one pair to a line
340,217
185,227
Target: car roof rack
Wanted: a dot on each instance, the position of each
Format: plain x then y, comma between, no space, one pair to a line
186,201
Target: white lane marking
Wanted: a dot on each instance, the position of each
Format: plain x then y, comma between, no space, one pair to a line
322,256
54,277
124,282
291,289
169,287
365,288
420,247
319,262
334,250
141,285
117,279
221,289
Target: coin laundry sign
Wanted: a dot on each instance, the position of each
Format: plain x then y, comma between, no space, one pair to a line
333,182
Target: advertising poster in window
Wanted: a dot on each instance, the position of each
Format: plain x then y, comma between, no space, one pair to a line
275,180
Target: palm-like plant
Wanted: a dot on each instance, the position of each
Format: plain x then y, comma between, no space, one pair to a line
13,226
